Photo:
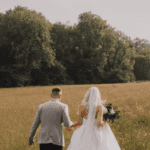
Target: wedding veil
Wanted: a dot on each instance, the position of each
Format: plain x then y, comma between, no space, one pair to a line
93,98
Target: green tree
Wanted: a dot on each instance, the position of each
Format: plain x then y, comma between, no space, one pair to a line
110,52
142,59
142,67
120,60
25,41
62,41
87,48
63,38
142,46
91,28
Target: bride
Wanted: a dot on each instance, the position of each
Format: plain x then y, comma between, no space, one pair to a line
94,133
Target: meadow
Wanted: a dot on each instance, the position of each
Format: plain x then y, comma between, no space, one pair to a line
18,107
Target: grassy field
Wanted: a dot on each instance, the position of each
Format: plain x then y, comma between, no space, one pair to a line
18,107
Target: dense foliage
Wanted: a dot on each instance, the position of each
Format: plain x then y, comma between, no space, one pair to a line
35,52
24,45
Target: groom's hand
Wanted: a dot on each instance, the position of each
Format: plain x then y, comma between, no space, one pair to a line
31,146
70,129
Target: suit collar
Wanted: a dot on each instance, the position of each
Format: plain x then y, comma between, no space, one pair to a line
53,100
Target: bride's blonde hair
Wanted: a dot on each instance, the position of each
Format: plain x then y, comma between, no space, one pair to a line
86,99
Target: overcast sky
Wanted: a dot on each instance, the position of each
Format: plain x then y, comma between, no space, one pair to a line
129,16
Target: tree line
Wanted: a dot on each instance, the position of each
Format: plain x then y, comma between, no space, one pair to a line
34,51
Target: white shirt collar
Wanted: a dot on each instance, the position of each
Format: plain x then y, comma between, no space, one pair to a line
53,99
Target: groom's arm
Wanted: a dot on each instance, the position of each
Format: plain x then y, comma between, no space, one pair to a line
65,116
35,125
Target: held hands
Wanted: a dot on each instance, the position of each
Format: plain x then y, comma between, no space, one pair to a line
70,129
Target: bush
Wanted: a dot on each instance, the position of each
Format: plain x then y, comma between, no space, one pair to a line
8,79
142,67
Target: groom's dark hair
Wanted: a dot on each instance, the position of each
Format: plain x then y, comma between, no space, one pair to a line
55,91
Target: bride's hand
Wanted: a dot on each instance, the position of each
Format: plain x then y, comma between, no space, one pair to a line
103,123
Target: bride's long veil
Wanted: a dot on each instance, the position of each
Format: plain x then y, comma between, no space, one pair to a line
92,99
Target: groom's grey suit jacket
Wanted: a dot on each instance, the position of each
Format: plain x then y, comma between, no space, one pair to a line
52,115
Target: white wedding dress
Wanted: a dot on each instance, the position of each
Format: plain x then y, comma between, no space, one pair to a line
89,136
102,138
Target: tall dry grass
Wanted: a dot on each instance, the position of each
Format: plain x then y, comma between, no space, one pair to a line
18,107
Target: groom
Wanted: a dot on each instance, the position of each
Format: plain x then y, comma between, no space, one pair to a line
51,115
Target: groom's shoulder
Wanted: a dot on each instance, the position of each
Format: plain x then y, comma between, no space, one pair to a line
60,104
63,104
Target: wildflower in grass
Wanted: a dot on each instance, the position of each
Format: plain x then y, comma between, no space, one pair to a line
142,122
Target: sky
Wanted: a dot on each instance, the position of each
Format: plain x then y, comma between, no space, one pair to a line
132,17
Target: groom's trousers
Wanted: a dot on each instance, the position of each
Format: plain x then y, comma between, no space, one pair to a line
50,146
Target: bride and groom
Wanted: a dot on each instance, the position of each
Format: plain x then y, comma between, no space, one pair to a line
93,133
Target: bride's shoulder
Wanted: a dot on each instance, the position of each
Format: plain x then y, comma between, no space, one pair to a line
99,105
